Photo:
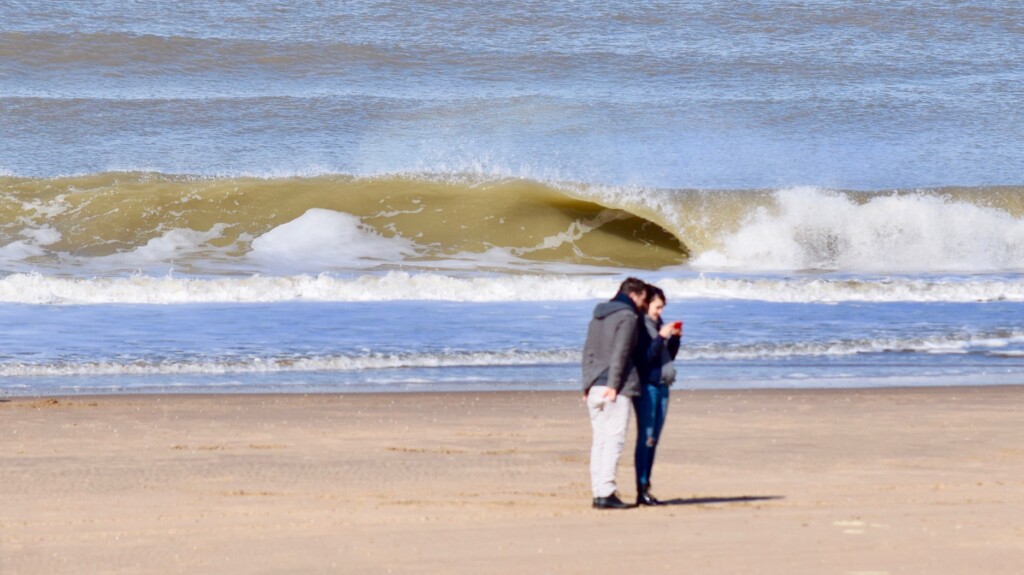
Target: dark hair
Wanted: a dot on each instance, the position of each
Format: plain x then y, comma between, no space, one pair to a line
633,285
654,292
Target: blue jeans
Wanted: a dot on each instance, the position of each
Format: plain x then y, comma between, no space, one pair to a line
651,407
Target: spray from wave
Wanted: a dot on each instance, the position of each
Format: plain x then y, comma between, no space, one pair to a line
912,232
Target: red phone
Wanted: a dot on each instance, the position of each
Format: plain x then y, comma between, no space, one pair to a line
677,325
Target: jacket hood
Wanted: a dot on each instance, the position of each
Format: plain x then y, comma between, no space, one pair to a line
607,308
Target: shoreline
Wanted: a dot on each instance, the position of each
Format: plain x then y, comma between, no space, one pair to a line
880,480
361,391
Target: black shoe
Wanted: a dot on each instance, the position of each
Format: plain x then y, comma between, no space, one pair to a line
610,502
645,498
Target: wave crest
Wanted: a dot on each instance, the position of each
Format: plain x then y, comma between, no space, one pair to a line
434,218
122,222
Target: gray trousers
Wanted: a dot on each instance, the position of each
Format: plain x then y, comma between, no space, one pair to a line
608,421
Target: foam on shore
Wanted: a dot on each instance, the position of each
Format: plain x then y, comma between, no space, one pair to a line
35,288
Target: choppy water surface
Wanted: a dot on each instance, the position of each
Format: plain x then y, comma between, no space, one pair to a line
534,345
432,196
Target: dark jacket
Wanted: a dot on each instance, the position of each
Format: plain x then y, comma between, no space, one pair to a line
654,354
608,351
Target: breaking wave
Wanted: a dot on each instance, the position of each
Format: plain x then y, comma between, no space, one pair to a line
34,288
965,230
120,223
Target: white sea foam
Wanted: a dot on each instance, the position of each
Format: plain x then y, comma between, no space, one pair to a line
33,244
34,288
172,244
884,289
42,236
986,344
19,250
324,238
374,361
816,229
945,344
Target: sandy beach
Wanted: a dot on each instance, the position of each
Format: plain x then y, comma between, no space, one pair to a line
852,482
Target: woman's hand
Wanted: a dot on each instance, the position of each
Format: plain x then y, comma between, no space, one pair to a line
670,329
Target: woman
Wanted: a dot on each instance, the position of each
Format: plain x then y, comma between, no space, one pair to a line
656,349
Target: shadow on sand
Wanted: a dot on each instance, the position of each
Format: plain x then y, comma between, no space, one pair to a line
720,500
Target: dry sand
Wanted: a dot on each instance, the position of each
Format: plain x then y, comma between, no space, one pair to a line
916,481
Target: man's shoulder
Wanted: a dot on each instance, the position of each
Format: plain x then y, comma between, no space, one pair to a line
612,308
625,316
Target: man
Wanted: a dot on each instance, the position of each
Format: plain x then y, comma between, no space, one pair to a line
609,381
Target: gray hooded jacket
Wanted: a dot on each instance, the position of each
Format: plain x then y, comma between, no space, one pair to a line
608,351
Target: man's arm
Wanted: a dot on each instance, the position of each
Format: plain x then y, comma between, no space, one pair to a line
622,344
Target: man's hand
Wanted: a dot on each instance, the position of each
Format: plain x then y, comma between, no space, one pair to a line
610,394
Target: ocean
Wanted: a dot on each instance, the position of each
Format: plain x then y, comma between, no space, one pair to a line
425,196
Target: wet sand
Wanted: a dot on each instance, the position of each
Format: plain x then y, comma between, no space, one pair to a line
852,482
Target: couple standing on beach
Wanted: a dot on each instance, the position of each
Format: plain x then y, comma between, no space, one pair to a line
627,356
